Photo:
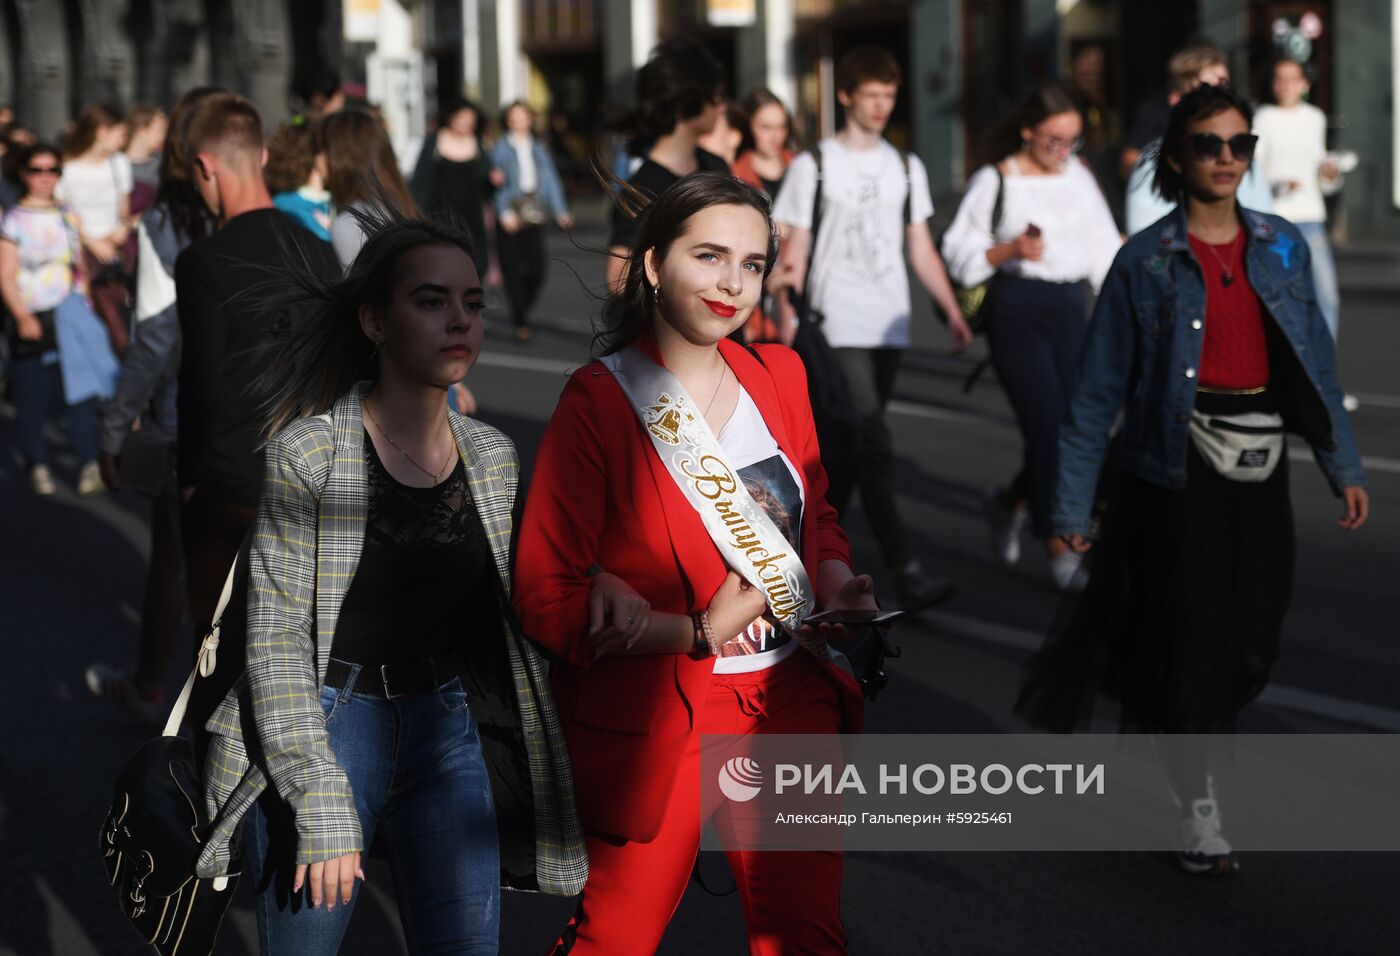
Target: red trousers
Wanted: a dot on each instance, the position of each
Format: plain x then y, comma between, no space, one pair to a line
791,900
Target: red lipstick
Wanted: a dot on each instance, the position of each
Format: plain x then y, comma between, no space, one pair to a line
720,309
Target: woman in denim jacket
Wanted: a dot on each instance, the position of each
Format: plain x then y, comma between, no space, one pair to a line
530,194
1209,339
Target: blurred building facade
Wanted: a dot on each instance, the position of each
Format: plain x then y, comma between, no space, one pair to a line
57,54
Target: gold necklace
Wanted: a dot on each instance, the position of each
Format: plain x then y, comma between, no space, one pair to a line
723,371
399,448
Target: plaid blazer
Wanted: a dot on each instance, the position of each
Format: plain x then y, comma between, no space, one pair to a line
307,540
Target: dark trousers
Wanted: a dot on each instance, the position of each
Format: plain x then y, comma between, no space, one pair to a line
164,601
870,375
1035,330
522,268
37,388
213,532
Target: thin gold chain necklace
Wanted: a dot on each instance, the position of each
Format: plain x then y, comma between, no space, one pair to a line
723,373
437,477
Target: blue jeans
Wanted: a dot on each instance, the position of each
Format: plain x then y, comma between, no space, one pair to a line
416,769
1324,270
38,386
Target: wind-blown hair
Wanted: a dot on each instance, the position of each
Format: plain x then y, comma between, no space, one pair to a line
1201,103
326,352
660,222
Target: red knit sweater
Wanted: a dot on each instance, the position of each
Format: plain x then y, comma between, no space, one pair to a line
1234,353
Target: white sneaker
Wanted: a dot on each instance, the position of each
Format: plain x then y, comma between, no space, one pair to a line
1203,849
1068,572
41,481
1007,525
1351,403
89,480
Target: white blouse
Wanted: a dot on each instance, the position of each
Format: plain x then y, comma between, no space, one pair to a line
1080,235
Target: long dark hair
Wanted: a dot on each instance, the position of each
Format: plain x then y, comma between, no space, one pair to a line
659,223
1203,102
1040,102
327,352
175,189
676,84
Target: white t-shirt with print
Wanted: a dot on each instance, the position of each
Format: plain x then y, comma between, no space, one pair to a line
859,281
777,487
93,192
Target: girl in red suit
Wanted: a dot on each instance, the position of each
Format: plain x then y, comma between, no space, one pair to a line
675,644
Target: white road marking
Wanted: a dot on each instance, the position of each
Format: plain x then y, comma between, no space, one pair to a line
1380,401
1276,695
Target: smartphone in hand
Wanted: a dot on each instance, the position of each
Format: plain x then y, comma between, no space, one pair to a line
1033,231
837,616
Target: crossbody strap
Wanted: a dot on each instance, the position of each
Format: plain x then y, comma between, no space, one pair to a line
816,154
208,657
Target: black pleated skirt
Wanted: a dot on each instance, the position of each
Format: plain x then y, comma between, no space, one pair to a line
1181,619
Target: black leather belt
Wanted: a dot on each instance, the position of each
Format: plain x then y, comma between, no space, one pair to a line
388,681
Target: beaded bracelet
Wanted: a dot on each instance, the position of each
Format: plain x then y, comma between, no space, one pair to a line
709,633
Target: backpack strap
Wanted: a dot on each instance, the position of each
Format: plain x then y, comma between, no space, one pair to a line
816,153
908,188
1001,195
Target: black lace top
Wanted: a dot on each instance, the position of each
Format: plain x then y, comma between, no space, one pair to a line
423,564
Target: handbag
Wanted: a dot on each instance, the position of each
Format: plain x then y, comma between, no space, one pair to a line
972,299
528,207
155,831
1244,447
866,646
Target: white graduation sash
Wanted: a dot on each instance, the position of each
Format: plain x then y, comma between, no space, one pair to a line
751,543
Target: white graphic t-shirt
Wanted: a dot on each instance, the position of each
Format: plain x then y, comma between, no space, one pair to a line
859,281
777,487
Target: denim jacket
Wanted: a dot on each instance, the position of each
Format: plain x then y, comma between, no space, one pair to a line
1143,347
550,189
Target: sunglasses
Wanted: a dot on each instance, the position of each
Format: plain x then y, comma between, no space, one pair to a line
1208,145
43,170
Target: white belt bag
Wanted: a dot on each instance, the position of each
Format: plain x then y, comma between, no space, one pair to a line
1244,447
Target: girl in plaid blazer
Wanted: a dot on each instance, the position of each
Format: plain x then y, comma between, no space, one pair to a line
387,690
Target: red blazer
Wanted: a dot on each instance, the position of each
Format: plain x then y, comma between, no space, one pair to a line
601,494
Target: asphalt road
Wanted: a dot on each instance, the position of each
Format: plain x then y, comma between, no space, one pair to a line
70,582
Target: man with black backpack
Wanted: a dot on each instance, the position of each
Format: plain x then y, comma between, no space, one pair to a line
850,208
